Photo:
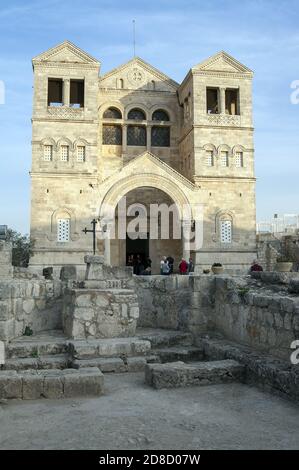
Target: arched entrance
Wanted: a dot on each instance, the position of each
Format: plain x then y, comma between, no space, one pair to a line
154,198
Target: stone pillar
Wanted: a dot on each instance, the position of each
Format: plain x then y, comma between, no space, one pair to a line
222,100
148,138
66,92
124,138
107,244
6,269
186,238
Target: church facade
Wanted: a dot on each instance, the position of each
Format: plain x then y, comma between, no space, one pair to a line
134,136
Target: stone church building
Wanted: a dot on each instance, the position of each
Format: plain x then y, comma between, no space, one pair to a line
137,133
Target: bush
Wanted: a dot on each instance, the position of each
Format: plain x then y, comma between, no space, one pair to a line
217,265
21,248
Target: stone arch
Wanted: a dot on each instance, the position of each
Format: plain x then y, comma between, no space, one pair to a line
63,212
64,141
225,148
212,148
111,104
80,141
238,148
137,106
48,141
163,107
121,187
224,214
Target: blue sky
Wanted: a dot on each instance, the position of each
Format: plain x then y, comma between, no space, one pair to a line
172,35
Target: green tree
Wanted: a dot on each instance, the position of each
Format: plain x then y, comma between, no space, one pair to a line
22,247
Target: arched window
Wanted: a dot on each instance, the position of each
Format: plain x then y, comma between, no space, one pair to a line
137,114
160,136
112,113
160,115
136,135
112,135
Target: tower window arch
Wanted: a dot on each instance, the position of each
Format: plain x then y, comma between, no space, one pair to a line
112,113
137,114
160,115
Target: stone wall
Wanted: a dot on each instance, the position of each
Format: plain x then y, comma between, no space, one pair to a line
33,303
99,313
262,313
178,302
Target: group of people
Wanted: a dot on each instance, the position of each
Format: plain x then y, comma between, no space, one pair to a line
143,266
167,263
140,266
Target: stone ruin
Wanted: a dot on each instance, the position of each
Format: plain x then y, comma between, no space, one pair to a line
101,306
63,335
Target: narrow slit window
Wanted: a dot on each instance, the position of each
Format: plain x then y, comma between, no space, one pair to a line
64,153
63,230
224,158
226,231
55,87
48,153
239,159
77,93
81,153
209,158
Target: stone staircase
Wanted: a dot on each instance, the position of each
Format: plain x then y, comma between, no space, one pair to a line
49,363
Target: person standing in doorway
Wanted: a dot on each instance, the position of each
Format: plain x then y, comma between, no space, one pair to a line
170,262
183,266
190,266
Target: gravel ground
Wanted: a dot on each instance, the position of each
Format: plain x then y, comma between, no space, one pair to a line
131,415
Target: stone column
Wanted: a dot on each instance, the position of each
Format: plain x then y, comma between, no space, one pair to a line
124,138
6,269
107,243
186,237
66,92
222,100
148,138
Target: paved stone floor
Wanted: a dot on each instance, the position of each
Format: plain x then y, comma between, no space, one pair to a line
133,416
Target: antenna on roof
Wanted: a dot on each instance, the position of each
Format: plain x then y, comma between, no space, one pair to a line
134,41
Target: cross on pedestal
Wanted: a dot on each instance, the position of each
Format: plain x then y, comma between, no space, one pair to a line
93,231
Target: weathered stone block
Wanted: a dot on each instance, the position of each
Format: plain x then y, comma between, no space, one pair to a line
180,374
83,382
10,385
33,385
53,384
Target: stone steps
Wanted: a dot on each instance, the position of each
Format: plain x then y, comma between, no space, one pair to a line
179,353
165,338
114,347
35,384
35,348
54,361
116,364
180,374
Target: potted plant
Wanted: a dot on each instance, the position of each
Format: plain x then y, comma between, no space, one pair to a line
217,268
284,264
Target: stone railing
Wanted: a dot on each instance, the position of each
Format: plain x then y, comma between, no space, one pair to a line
223,120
